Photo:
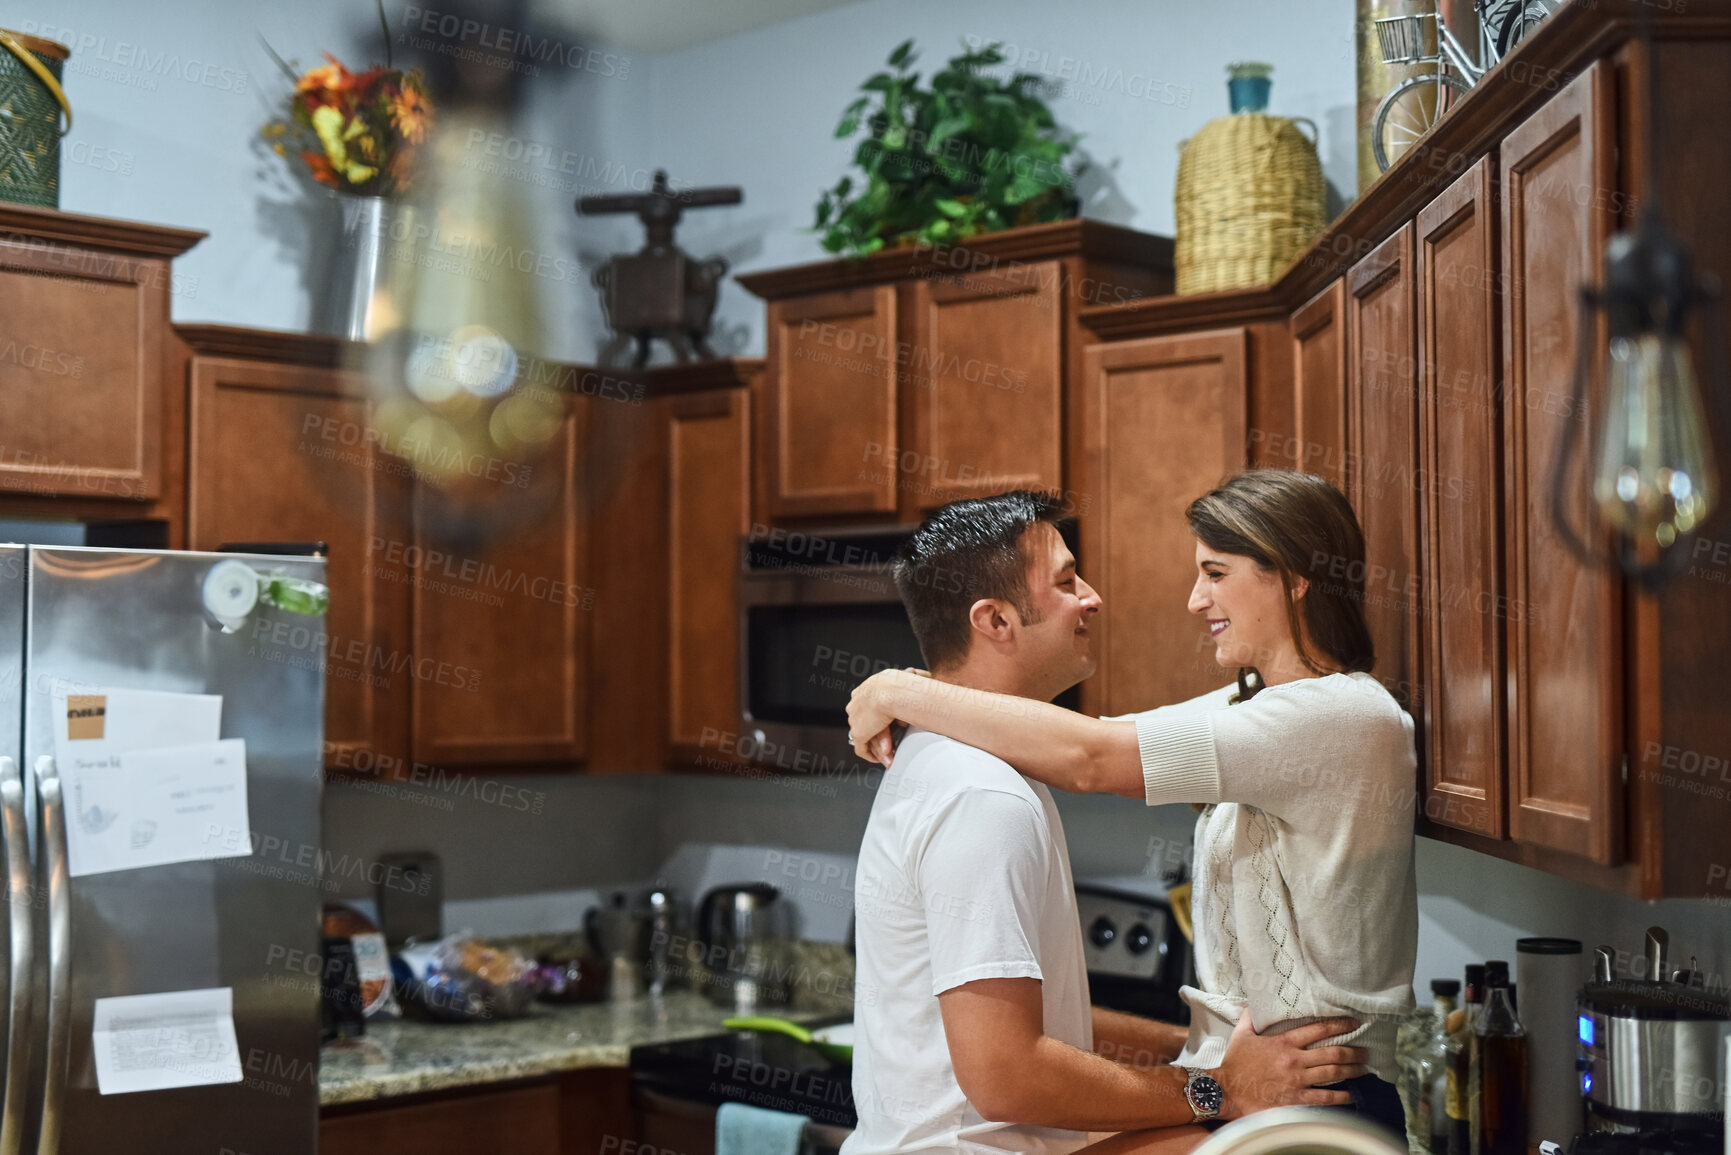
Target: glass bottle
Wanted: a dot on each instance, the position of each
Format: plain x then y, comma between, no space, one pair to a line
1418,1052
1497,1095
1456,1055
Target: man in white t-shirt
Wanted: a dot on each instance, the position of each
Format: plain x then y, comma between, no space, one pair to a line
973,1030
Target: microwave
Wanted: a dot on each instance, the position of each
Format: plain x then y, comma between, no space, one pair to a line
819,614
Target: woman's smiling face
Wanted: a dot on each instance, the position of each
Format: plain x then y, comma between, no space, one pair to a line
1245,608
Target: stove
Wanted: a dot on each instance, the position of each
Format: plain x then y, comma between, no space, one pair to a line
1137,957
677,1087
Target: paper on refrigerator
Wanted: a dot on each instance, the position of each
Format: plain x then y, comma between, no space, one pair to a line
91,724
154,807
158,1042
146,780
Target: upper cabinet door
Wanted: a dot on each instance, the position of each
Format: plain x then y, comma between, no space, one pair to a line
708,512
1167,422
501,637
1382,461
831,427
278,453
982,383
1319,385
1459,492
1565,701
81,368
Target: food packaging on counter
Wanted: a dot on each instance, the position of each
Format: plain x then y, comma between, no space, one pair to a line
372,960
462,979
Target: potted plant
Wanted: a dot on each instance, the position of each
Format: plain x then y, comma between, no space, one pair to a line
356,133
973,153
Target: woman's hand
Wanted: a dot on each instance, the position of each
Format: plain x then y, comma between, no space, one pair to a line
869,717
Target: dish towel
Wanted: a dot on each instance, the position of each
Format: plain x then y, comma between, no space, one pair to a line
745,1130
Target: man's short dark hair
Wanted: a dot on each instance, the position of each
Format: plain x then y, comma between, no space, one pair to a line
965,551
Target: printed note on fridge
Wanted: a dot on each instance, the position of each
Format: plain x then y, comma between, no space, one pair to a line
157,1042
94,724
153,807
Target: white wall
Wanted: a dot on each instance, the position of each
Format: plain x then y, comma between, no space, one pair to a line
168,101
759,110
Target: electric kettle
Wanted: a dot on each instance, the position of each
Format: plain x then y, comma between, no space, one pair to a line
746,932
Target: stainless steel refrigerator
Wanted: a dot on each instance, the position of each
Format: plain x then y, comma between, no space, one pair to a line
179,622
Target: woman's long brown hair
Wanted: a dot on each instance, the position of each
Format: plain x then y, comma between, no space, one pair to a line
1295,525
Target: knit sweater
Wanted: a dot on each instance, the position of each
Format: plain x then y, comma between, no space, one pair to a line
1304,900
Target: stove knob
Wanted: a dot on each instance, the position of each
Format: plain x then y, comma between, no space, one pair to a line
1139,938
1102,933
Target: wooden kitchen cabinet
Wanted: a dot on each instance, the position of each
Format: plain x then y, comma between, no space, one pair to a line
277,455
928,373
1382,460
1458,485
708,440
580,1112
984,386
1166,418
84,354
522,1120
1319,386
1565,687
670,487
830,427
501,633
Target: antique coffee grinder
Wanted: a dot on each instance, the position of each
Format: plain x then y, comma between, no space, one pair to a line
659,291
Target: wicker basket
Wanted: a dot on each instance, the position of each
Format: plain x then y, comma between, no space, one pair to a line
1250,199
31,101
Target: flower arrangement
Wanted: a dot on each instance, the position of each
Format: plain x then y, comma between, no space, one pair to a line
356,131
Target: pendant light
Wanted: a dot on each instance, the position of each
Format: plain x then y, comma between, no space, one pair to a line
460,396
1651,476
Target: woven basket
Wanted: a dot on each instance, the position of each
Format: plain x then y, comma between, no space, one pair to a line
1250,199
31,101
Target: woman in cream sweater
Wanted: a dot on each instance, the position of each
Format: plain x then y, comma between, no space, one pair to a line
1304,769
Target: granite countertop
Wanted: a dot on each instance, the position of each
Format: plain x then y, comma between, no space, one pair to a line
412,1056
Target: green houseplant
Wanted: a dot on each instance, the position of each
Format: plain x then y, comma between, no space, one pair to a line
971,154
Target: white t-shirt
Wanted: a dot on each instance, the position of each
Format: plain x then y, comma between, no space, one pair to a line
963,875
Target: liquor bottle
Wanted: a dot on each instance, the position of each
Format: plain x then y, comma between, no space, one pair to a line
1497,1095
1456,1055
1419,1052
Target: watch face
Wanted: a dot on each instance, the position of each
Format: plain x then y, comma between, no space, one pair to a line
1205,1093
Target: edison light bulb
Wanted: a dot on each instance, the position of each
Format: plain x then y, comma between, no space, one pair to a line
455,333
1654,480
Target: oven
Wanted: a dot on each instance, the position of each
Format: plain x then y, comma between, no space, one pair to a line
1137,957
677,1087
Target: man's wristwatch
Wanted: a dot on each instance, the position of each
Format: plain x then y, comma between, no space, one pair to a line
1204,1094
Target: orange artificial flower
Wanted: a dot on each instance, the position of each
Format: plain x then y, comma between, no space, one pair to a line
410,113
325,79
321,168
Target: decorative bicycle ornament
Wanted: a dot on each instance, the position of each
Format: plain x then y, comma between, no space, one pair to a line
1413,107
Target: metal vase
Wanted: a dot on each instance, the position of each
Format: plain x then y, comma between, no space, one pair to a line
370,225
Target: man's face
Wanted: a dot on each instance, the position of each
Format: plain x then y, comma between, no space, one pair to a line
1055,650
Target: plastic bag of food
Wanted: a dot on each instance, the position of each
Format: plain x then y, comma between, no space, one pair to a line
463,979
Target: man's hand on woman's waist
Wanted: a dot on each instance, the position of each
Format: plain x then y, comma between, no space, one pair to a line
1262,1071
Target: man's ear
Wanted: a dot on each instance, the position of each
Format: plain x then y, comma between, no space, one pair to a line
993,618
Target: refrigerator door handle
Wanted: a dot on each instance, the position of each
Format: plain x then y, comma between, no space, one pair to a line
21,960
56,880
